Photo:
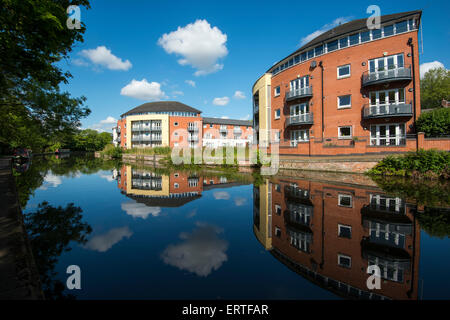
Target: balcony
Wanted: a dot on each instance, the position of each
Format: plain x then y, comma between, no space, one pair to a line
156,128
385,75
193,128
145,138
193,138
237,131
306,118
223,130
305,92
387,110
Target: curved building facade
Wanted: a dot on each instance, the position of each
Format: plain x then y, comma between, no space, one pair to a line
351,90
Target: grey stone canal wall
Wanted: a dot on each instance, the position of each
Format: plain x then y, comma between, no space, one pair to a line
19,279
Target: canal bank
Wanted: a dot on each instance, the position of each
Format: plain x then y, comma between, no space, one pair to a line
19,278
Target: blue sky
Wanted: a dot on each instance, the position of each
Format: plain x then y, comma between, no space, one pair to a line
137,51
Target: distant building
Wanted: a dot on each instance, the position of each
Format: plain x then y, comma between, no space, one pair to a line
171,123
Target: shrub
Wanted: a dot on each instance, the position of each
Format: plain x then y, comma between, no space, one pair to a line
112,151
424,163
435,123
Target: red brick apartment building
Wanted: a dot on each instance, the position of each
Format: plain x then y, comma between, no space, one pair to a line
171,123
351,90
330,234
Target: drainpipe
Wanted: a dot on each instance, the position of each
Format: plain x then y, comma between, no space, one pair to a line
322,97
410,43
413,267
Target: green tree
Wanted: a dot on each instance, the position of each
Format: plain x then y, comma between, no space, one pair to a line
435,123
33,39
434,87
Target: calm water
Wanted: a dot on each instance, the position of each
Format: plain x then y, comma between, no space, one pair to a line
141,233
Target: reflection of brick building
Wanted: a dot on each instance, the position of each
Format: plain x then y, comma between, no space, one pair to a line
330,234
166,190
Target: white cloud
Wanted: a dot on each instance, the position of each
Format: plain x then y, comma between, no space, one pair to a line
221,195
224,117
191,83
199,46
239,201
102,56
143,90
221,101
177,93
80,62
51,181
104,125
140,210
427,66
328,26
201,251
247,117
239,95
106,175
104,242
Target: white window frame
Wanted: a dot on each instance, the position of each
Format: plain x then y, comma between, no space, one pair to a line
386,101
347,75
345,106
388,137
345,137
299,136
340,226
344,256
299,83
276,209
277,91
279,114
340,196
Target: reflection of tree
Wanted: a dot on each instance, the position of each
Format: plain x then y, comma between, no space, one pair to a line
435,221
50,231
33,178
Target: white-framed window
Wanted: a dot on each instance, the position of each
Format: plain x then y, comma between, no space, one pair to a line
344,231
386,63
278,232
277,136
300,83
344,261
277,187
387,134
277,114
278,209
344,101
211,125
345,200
299,136
387,97
343,71
277,91
345,132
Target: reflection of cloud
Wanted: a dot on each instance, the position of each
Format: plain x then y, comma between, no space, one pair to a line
104,242
239,201
221,195
50,181
200,252
192,213
106,176
140,210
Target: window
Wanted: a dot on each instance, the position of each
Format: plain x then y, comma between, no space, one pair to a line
344,231
303,56
386,63
387,135
277,114
277,187
401,26
344,261
376,34
343,71
345,101
277,91
333,45
345,132
343,42
318,50
310,53
388,30
354,39
278,209
278,232
277,136
210,125
365,36
299,136
345,200
299,83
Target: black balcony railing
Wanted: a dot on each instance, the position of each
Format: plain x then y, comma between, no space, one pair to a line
387,110
386,75
299,93
306,118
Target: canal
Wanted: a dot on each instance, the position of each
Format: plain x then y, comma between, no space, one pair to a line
140,232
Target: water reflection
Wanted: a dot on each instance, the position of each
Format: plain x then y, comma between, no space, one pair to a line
330,234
